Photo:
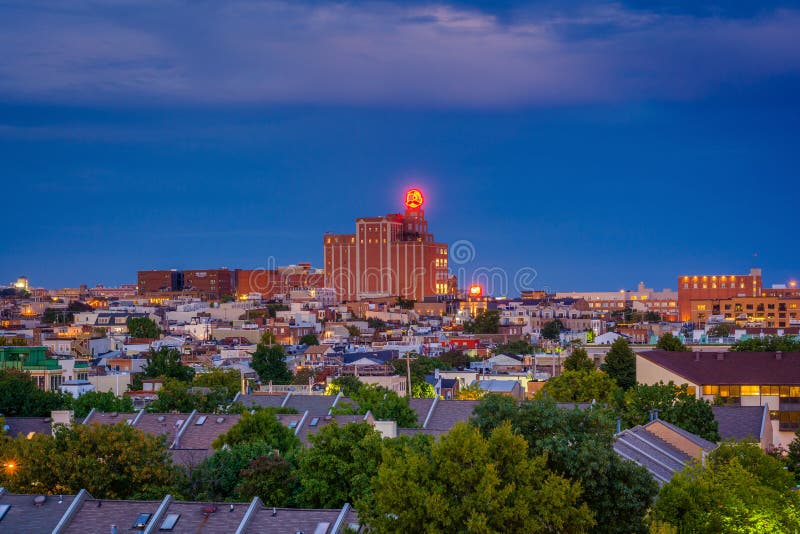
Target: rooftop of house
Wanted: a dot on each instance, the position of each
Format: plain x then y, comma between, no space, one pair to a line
27,515
26,425
741,422
85,514
646,446
756,368
498,386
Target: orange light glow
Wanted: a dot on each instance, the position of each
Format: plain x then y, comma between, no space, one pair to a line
475,290
414,199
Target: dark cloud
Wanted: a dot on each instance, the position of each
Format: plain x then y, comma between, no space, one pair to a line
443,55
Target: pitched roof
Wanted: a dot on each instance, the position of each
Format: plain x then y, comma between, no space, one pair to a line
262,400
740,422
280,520
95,516
447,413
653,453
422,407
197,517
314,404
26,425
754,368
26,516
505,386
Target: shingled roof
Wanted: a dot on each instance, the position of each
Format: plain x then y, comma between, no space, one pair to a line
741,422
756,368
25,515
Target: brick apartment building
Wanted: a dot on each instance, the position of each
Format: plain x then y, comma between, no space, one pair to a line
159,281
208,283
763,311
390,255
270,283
715,287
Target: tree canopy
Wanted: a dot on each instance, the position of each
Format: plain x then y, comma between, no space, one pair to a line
466,482
269,363
620,363
309,339
581,386
767,344
674,404
552,330
109,461
19,396
739,489
164,363
383,403
143,327
671,343
262,425
104,401
578,445
486,322
579,360
515,347
339,465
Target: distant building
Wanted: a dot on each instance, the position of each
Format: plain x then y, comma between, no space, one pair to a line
716,286
393,255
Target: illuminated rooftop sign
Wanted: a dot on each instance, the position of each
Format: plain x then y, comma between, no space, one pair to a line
414,199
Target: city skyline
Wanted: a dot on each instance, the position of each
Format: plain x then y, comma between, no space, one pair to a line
590,143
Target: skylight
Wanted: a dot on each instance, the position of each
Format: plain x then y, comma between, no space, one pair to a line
314,421
170,521
201,420
4,510
141,521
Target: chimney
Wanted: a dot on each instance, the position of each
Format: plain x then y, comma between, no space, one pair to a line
697,356
619,425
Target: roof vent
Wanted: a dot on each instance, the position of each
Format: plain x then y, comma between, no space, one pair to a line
161,418
220,420
209,509
114,414
39,500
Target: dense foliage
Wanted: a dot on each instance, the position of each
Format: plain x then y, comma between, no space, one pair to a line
580,386
269,361
110,461
674,404
767,344
579,360
671,343
620,363
143,327
486,322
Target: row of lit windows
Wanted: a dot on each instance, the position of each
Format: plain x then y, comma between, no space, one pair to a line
441,289
695,278
752,391
713,286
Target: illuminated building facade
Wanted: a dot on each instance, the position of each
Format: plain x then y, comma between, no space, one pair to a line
393,255
715,287
763,311
271,283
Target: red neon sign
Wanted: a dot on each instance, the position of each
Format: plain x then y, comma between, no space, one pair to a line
475,290
414,199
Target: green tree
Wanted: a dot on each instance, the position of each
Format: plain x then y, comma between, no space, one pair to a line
792,458
269,362
339,465
347,384
219,477
19,396
57,316
620,363
455,359
580,386
674,404
353,330
109,461
671,343
721,330
421,366
468,483
166,363
515,347
143,327
260,426
104,401
271,478
422,390
471,392
384,404
486,322
178,396
552,330
578,445
302,376
309,340
740,490
578,360
767,344
227,382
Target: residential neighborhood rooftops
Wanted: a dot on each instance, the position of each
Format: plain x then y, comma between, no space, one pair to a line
741,422
25,514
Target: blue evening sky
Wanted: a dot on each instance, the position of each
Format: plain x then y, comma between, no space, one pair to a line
599,144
